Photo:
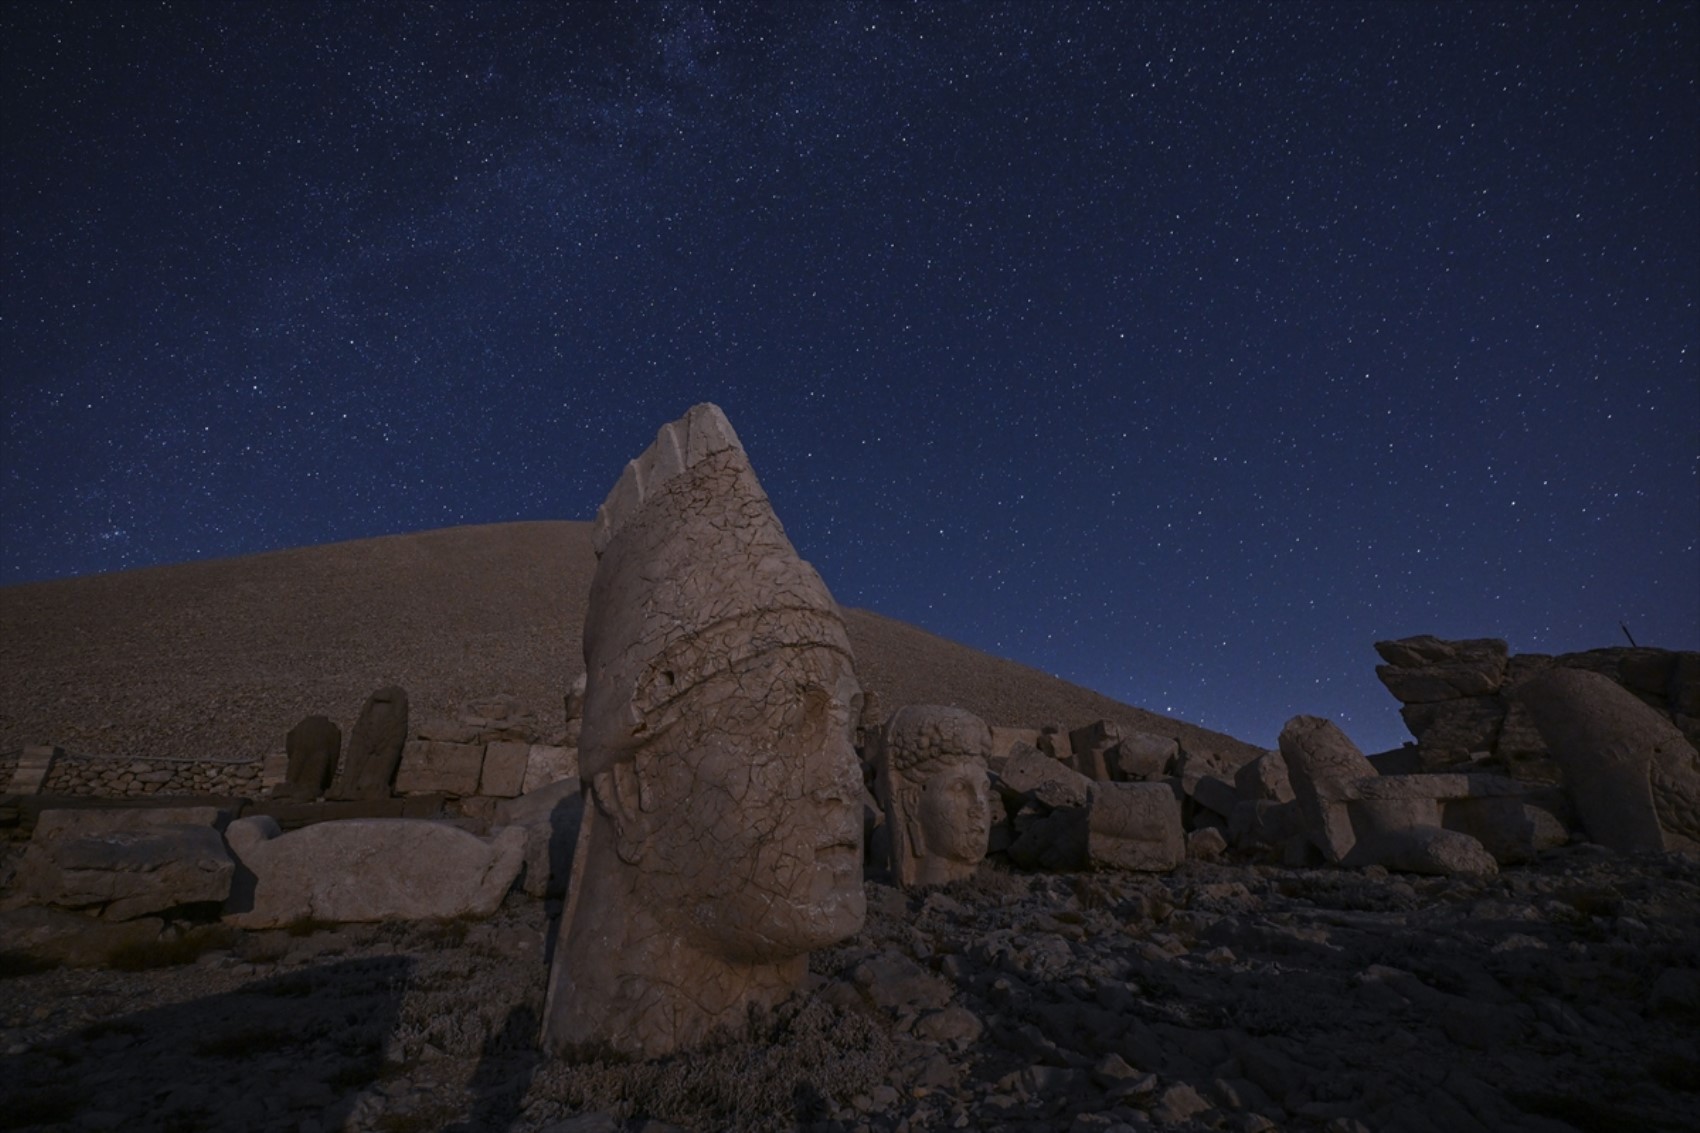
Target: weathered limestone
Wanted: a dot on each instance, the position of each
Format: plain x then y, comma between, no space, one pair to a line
722,829
374,749
1004,741
1357,817
1134,826
1320,759
438,767
549,763
503,776
550,817
1265,778
1091,745
1142,757
1029,773
932,781
370,869
1460,704
126,863
313,747
34,765
1634,777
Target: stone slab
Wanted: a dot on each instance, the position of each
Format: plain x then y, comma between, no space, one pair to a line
31,772
549,763
292,816
505,764
435,767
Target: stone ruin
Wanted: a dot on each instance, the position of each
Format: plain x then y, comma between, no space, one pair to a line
932,783
1456,699
721,836
704,792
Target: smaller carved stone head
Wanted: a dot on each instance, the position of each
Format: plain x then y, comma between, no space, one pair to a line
936,792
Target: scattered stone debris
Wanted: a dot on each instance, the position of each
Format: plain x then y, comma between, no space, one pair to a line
1563,994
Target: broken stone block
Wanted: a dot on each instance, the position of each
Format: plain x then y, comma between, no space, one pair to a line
1508,827
1216,795
1134,826
1053,741
1206,845
1090,745
1142,757
433,767
1320,760
1265,778
548,763
1054,840
34,763
1030,772
1450,731
370,869
1264,824
1469,668
1004,741
128,863
503,774
550,817
1429,850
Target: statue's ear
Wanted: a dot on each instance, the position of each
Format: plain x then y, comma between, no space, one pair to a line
619,796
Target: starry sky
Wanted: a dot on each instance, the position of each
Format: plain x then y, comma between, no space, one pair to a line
1181,350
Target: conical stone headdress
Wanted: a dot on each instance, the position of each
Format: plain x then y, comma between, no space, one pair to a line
694,577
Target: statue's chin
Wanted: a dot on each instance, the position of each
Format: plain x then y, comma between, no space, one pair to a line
790,926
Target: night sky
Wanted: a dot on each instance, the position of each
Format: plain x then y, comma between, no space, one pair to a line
1182,350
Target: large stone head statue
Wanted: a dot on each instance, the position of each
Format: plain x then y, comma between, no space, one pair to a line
931,778
722,835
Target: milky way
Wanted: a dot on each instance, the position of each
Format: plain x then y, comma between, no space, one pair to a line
1180,350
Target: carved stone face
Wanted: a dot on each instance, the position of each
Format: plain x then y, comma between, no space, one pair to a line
956,812
752,849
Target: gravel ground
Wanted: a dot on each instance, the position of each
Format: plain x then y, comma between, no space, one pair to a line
1562,995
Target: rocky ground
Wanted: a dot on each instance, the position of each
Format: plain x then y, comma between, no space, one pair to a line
1559,995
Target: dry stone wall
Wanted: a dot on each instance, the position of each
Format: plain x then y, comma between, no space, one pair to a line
104,776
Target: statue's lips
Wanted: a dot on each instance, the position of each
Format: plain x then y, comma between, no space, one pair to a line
840,853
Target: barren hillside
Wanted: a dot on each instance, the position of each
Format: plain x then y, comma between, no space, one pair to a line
220,658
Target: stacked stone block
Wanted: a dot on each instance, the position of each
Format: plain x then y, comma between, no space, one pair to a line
1457,701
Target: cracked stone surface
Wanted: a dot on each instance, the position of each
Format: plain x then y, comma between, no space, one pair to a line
1559,996
722,832
930,776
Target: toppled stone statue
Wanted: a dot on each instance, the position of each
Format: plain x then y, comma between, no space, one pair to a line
314,746
721,838
368,869
931,779
1357,817
1634,777
374,748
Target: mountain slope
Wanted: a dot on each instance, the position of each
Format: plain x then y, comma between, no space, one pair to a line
221,658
